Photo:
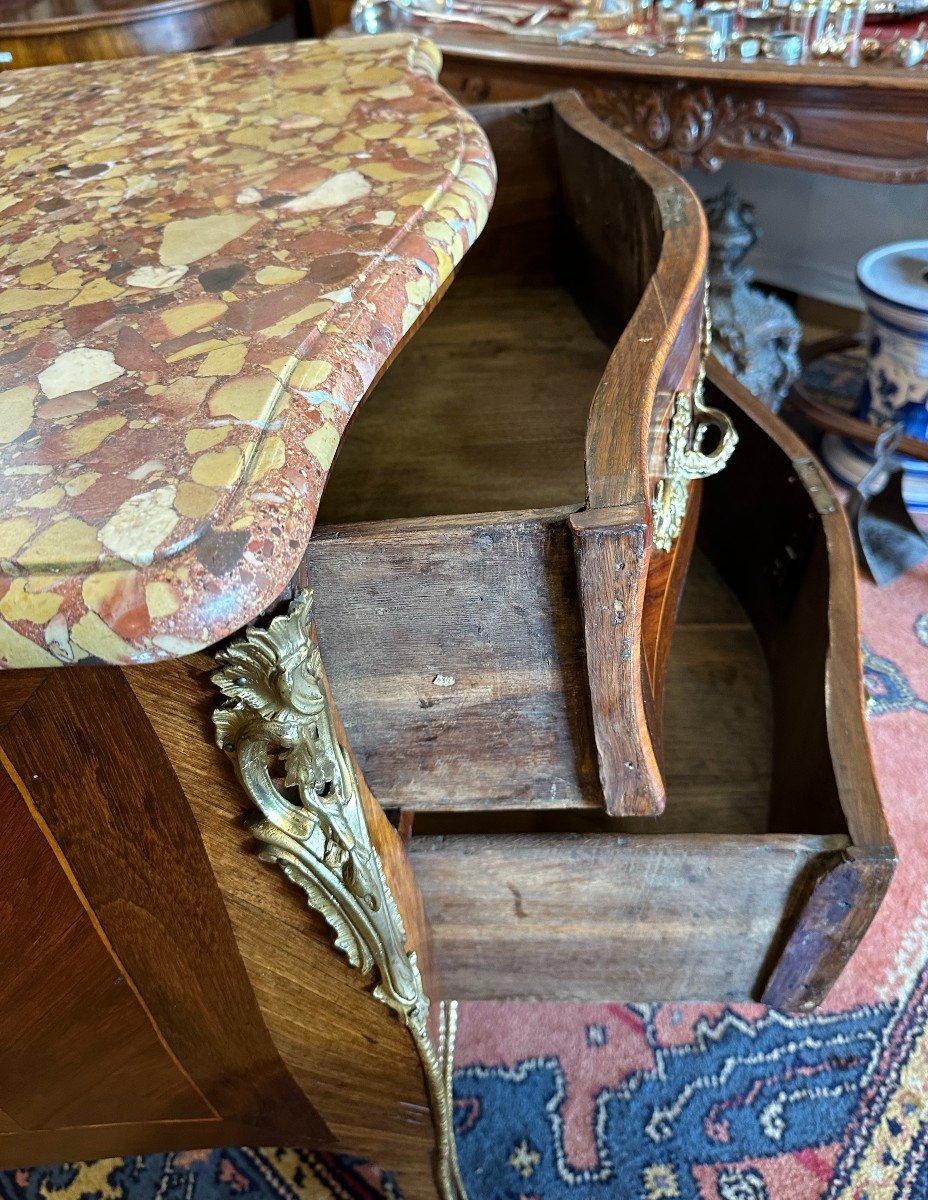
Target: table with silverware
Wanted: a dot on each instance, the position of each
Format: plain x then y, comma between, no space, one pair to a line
833,86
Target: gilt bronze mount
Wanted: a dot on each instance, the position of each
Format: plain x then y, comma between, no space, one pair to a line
312,824
686,459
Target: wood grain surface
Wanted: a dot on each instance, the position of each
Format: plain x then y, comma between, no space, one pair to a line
38,33
456,656
605,918
212,1007
57,978
345,1050
437,435
611,563
123,824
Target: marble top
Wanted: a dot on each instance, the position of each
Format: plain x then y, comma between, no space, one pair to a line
204,262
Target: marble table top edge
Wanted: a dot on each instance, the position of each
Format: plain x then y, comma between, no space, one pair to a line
107,564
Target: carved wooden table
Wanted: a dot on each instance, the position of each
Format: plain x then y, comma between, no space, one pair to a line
36,33
870,122
867,123
196,298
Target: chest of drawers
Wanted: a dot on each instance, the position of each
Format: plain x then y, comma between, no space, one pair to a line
433,707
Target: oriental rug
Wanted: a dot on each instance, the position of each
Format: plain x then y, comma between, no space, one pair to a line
672,1101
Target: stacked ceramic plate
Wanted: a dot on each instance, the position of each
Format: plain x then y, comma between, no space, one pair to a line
894,283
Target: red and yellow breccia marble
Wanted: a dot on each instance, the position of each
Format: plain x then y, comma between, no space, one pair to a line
204,262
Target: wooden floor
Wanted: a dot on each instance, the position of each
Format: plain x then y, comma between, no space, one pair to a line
485,411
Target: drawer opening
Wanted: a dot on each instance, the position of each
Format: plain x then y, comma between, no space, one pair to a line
716,899
452,630
567,904
485,410
455,655
486,407
542,384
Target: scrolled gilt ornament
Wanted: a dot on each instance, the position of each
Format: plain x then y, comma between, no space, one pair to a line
313,826
686,459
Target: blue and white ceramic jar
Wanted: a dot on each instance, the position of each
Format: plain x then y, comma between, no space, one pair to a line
893,281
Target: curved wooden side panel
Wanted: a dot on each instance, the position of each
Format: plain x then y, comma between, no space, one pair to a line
776,532
640,247
160,986
346,1051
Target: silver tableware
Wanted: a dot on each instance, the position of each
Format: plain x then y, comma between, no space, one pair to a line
783,47
624,46
745,46
871,48
892,10
720,15
672,18
908,52
761,21
701,42
609,13
837,29
376,16
558,33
